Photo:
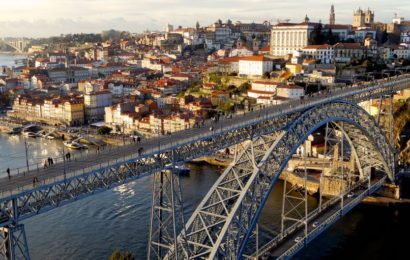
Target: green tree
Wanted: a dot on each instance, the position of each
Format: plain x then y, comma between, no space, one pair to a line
117,255
316,36
244,87
104,130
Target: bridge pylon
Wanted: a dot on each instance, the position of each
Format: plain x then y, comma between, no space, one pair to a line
167,216
13,243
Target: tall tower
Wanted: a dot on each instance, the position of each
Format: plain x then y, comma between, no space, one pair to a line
369,17
358,18
332,17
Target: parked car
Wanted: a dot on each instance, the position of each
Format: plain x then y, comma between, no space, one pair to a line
315,224
350,195
298,239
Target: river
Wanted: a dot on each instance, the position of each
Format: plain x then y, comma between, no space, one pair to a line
7,59
92,228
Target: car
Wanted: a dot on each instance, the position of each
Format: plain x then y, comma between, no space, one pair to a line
350,195
298,239
315,224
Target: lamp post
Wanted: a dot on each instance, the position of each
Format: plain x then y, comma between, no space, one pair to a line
26,150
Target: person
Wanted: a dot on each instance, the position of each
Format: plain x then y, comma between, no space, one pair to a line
45,164
211,129
138,139
133,139
34,181
49,161
98,149
8,173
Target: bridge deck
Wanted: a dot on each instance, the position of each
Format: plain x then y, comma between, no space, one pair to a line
86,164
288,243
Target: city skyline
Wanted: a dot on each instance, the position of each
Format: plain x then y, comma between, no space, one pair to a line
43,18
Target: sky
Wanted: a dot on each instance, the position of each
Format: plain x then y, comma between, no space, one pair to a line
42,18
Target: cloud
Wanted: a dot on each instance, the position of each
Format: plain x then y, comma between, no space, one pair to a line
36,18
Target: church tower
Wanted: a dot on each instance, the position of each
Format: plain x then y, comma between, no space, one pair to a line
332,17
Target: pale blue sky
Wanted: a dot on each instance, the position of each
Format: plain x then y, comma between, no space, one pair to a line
35,18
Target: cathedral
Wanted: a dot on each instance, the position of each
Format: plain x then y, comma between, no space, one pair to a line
363,18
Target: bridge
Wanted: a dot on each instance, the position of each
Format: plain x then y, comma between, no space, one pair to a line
225,223
19,45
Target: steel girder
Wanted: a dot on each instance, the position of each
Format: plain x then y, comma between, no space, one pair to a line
224,220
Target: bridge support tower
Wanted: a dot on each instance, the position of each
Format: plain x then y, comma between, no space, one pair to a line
166,214
13,241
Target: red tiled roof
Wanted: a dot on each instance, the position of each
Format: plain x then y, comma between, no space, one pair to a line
265,82
317,47
255,58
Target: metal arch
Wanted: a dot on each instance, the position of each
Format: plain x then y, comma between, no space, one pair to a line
212,239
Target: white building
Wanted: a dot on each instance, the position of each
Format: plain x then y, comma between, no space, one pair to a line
324,52
290,91
94,104
289,37
405,37
254,65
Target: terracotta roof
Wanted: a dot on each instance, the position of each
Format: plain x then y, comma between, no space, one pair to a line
346,45
318,47
255,58
229,60
265,82
262,92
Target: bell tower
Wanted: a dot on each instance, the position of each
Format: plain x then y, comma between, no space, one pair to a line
332,16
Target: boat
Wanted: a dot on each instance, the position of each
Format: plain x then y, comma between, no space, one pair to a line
183,171
50,137
14,130
30,134
74,145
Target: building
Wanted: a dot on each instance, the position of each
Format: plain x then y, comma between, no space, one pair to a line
289,37
363,18
255,65
266,89
321,53
290,91
94,104
345,52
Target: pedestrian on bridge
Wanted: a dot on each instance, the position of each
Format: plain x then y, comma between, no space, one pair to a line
45,164
8,173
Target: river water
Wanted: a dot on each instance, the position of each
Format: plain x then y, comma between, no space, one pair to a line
92,228
7,59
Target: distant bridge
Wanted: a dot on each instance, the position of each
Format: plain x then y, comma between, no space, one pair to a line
19,45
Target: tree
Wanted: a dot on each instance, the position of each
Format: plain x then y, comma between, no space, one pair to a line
104,130
316,36
244,87
117,255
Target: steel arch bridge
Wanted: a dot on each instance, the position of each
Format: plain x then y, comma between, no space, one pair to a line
19,199
222,224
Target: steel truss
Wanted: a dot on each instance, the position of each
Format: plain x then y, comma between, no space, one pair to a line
167,216
223,222
13,242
